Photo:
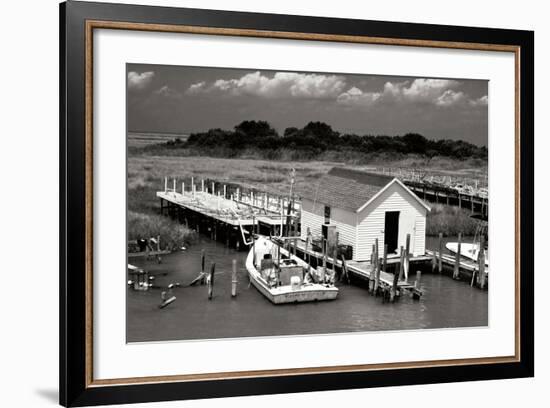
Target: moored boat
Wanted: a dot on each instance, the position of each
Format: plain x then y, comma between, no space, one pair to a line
468,250
472,251
284,278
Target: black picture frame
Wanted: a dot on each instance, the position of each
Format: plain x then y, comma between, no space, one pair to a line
75,386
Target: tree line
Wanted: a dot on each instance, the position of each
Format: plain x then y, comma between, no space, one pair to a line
317,137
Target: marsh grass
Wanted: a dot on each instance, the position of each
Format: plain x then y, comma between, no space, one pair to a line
173,234
146,176
449,220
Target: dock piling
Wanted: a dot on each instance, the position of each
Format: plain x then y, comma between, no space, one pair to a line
211,281
416,293
234,278
456,271
481,262
401,262
417,281
376,268
385,260
407,256
440,266
393,290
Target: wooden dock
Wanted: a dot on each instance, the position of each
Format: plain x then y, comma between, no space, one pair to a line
365,271
227,215
442,194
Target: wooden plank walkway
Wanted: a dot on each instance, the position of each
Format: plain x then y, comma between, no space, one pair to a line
228,211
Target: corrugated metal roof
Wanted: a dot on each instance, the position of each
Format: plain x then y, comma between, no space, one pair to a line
345,188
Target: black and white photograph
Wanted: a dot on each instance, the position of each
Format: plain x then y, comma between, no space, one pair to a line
280,203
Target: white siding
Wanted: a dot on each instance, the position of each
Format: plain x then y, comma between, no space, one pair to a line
313,216
412,220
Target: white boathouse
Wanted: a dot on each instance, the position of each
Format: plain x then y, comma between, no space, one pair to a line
361,207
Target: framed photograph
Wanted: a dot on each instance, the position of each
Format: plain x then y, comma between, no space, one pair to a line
255,203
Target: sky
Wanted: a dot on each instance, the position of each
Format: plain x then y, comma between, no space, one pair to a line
184,99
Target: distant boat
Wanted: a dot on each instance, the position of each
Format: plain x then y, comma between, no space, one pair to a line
282,277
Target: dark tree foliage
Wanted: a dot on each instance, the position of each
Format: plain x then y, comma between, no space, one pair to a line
318,137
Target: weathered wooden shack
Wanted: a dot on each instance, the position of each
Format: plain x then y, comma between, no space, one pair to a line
361,207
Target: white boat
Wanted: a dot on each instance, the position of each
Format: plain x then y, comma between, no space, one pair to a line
472,250
281,277
468,250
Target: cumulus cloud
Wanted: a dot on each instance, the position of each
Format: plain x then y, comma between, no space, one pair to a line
282,84
139,81
449,98
440,92
197,88
168,92
428,90
355,96
483,101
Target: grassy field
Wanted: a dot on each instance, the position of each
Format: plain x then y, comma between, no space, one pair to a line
146,173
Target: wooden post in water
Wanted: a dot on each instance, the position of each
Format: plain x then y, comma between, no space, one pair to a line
234,278
202,185
401,262
174,185
372,269
165,184
481,262
385,259
224,191
335,252
308,241
203,259
416,292
376,267
211,281
440,266
407,256
324,259
417,281
393,290
253,242
456,271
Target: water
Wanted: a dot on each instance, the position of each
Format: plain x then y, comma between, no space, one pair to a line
445,304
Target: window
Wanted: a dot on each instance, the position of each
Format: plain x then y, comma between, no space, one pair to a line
327,214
